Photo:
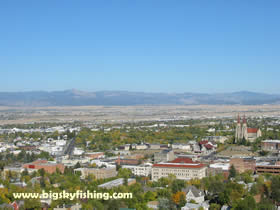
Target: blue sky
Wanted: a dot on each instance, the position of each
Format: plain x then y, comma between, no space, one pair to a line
140,45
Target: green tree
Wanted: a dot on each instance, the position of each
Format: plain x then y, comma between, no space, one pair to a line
232,172
124,173
275,188
182,200
215,206
247,203
42,172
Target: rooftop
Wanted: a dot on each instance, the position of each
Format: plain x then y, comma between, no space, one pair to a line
115,183
224,166
179,165
271,141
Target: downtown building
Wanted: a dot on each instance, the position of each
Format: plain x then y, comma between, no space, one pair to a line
243,164
182,168
98,173
271,145
48,166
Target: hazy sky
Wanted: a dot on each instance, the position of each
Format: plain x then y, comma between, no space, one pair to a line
140,45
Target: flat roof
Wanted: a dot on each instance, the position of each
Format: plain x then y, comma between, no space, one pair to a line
179,165
271,141
224,166
115,183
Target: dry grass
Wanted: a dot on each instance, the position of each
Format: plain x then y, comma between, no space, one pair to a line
12,115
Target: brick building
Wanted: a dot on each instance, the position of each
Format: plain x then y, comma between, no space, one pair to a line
94,155
49,167
125,161
243,164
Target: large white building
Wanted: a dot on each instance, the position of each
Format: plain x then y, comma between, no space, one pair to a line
184,171
99,173
140,170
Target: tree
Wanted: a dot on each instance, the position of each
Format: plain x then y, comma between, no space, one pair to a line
77,165
232,172
114,205
215,206
182,201
124,173
275,188
178,196
263,153
150,196
24,173
254,189
266,205
42,182
32,204
42,172
247,203
177,185
125,181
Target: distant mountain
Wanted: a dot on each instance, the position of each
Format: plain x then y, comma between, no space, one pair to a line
124,98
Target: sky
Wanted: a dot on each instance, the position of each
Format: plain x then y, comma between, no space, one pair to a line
140,45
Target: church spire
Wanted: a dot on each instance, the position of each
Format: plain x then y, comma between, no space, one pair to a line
244,120
238,119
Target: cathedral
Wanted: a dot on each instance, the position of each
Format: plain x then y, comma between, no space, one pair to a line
243,132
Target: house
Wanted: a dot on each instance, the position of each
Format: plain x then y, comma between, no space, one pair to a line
192,193
153,204
218,139
78,151
225,207
69,207
192,206
154,146
16,205
207,147
181,146
194,146
211,130
125,147
141,146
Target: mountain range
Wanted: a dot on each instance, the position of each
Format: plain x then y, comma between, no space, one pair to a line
125,98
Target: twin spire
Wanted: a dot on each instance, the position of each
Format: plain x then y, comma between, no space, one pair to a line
244,119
